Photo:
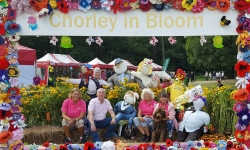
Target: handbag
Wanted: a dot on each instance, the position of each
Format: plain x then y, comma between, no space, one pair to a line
129,133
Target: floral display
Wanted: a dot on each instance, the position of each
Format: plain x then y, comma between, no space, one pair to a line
12,120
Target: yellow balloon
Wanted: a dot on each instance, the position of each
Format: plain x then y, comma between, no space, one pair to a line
50,79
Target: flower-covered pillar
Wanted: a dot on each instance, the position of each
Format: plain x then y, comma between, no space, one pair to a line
241,95
11,118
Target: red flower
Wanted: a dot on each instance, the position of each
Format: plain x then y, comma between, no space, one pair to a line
145,7
169,143
143,146
240,28
192,148
229,144
207,144
63,147
62,6
46,144
88,145
242,68
11,128
241,5
239,135
177,4
4,64
116,7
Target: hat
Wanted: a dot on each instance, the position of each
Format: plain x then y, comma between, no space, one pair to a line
118,60
89,66
218,42
66,42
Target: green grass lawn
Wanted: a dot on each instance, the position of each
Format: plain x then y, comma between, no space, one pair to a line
211,84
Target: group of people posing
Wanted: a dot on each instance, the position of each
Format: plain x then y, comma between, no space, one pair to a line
74,109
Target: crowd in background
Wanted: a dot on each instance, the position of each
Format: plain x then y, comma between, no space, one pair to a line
219,75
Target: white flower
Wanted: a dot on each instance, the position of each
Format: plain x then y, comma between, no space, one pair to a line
106,4
241,83
3,86
19,124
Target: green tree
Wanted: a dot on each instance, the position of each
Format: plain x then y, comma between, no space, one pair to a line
210,58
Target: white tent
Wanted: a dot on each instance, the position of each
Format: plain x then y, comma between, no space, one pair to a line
26,59
53,60
98,63
130,66
57,60
156,67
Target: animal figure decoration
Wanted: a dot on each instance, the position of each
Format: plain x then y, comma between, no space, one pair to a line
224,21
149,77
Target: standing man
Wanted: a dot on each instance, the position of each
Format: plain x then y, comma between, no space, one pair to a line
97,110
206,76
222,75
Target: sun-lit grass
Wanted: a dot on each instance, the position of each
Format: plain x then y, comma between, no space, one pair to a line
210,84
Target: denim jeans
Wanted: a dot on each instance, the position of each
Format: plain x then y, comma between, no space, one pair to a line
122,116
147,122
103,124
170,126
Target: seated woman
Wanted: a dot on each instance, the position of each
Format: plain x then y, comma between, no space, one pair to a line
170,112
73,111
145,113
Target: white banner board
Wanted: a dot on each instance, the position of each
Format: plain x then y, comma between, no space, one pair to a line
133,23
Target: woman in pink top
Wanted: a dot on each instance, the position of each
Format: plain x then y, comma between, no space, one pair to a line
145,113
170,112
73,111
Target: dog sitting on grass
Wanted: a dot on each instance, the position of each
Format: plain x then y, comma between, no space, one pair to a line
159,126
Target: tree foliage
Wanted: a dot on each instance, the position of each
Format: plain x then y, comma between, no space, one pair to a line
186,53
210,58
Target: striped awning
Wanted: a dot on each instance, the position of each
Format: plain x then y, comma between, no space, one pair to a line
57,60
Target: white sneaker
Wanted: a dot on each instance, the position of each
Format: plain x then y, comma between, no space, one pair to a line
170,134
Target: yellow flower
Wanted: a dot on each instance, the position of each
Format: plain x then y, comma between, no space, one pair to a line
53,3
188,4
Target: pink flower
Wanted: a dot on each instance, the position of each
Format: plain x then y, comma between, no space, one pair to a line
73,4
198,7
153,40
17,134
13,82
107,4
